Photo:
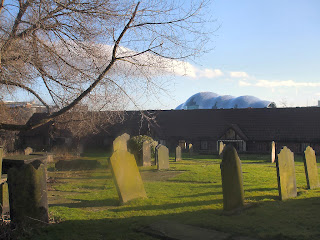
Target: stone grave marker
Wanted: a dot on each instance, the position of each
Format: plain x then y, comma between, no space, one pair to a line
126,176
286,174
221,147
232,181
28,151
190,149
162,154
120,143
311,168
146,153
273,151
28,194
178,154
1,156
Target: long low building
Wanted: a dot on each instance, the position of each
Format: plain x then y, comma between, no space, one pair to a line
249,130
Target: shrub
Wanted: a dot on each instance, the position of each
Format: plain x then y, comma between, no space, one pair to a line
135,146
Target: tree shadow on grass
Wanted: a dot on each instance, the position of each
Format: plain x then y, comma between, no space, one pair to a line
291,219
166,206
80,203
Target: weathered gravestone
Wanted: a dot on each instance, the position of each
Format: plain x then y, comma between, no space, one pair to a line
120,143
273,151
146,153
286,174
190,149
232,182
162,157
178,154
28,194
221,147
126,176
311,168
28,151
2,182
1,156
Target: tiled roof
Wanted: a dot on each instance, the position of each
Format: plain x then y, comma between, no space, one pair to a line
266,124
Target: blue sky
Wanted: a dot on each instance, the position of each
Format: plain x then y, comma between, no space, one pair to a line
267,48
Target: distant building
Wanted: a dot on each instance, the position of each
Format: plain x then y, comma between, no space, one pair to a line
249,130
210,100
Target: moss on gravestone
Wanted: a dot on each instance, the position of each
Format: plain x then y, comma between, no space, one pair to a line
126,176
232,181
28,194
311,168
286,174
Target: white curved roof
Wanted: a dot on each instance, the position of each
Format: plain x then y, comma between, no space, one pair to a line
210,100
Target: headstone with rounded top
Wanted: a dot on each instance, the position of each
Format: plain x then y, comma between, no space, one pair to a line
146,153
221,147
311,168
232,181
273,151
286,174
120,143
126,176
190,148
178,154
28,151
162,154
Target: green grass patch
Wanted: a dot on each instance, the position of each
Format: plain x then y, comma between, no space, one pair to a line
85,204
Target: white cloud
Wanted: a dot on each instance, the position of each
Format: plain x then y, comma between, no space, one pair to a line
210,73
288,83
244,84
239,75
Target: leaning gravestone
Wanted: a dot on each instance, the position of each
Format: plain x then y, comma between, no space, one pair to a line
126,176
273,151
28,194
178,154
146,153
120,143
286,174
232,182
162,154
28,151
311,168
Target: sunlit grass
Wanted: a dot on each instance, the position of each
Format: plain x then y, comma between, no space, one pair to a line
86,205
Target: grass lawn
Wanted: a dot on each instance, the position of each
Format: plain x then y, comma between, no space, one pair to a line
85,203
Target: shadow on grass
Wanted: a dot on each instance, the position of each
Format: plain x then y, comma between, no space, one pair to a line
80,203
292,219
167,206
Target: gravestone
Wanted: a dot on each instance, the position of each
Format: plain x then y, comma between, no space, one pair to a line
221,147
162,154
28,194
178,154
286,174
146,153
126,176
28,151
1,156
273,151
120,143
311,168
190,149
232,181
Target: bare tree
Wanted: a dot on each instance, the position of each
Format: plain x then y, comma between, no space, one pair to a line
97,52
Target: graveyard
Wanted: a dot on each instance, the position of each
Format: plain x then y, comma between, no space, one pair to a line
85,204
